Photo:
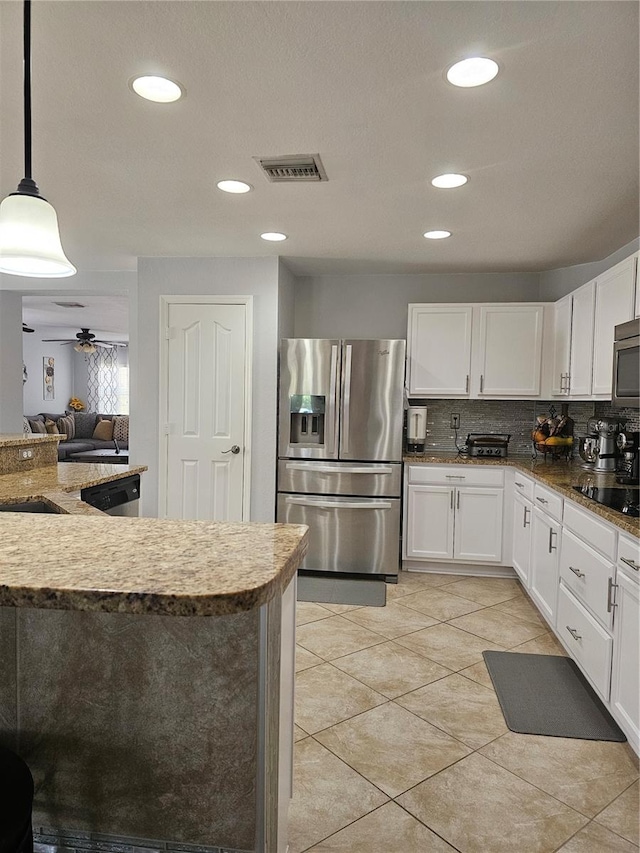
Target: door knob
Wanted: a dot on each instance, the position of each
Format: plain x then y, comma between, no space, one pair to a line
234,449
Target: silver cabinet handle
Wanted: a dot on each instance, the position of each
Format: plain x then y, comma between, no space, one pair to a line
481,383
630,563
577,572
455,476
329,504
568,381
333,409
466,387
235,449
519,485
318,468
610,602
525,521
574,633
552,547
542,500
452,491
458,501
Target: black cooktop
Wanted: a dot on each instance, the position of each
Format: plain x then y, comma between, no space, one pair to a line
623,499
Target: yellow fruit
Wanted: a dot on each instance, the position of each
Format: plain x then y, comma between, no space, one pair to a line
559,440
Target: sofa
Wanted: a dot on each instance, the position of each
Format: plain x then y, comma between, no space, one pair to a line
84,426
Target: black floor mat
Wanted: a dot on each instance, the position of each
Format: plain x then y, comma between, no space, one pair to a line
548,695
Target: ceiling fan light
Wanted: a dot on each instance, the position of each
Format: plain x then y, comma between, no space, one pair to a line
30,240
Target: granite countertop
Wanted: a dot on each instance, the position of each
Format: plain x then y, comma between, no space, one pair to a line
54,484
560,476
14,440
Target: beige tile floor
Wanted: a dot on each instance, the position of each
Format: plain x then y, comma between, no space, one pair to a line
401,746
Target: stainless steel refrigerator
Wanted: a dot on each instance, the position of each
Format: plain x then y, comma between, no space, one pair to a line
340,451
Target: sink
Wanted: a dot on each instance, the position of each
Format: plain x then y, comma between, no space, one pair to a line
28,506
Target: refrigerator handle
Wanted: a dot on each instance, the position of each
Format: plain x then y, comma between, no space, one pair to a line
346,418
333,397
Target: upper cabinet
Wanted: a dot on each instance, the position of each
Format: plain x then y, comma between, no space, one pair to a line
562,312
637,260
439,346
582,322
615,303
477,351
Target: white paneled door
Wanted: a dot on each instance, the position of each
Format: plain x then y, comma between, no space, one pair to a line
205,411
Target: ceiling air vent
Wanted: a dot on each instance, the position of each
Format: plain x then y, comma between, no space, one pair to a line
296,168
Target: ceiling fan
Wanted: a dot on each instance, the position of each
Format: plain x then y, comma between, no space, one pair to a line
85,341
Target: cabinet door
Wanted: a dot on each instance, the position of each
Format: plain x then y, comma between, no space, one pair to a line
429,532
521,553
637,259
439,344
477,532
561,346
582,340
615,294
545,543
625,681
510,350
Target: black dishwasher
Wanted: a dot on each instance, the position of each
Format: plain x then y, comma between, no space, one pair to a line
118,497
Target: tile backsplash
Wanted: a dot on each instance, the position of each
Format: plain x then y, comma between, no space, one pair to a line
516,417
604,409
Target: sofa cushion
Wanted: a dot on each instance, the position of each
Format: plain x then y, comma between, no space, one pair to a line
37,426
67,426
49,416
51,428
121,428
66,448
103,430
85,424
26,426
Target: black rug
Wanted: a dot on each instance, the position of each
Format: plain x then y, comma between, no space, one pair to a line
548,695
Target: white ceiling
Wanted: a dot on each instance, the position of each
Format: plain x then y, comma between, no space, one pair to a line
106,316
551,146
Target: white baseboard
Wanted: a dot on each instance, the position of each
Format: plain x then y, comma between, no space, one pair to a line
471,569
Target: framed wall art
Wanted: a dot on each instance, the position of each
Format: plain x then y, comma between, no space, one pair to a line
48,378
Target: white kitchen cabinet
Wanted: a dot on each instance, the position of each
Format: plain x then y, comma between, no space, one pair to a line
587,641
583,300
429,524
521,548
637,311
439,350
615,303
545,546
477,532
625,677
562,313
510,350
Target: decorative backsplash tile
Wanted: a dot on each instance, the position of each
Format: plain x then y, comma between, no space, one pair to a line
516,417
604,409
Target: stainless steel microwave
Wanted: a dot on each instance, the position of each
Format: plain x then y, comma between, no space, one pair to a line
626,364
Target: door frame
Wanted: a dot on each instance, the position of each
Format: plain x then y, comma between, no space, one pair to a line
163,395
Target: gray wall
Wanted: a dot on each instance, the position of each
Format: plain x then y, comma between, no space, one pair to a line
33,351
10,362
554,284
375,306
194,277
286,301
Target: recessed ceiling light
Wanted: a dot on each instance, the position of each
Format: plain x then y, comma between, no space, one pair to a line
449,181
274,236
437,235
475,71
234,186
158,89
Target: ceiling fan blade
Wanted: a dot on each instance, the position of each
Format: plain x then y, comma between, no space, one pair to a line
57,341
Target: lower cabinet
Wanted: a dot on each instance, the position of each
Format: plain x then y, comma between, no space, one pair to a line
448,523
545,546
521,546
589,644
625,678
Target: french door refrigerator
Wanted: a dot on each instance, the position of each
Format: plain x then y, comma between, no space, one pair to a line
340,451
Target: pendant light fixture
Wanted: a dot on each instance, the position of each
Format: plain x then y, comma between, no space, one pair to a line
29,237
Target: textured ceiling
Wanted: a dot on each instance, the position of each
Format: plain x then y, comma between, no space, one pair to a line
551,146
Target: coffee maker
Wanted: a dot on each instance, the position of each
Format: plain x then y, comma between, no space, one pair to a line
416,430
628,468
599,448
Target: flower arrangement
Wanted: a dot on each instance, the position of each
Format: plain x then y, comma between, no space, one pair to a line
76,404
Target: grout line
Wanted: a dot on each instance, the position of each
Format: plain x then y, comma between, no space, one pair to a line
426,825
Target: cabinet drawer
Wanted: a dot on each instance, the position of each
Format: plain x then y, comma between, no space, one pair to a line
587,575
548,501
629,556
457,475
587,641
587,526
523,486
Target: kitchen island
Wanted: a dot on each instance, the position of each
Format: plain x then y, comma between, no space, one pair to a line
146,670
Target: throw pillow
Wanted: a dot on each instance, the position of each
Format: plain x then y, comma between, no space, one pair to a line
85,424
50,428
26,426
67,426
37,426
103,430
121,428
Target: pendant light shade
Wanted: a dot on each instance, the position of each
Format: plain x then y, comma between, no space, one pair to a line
29,237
